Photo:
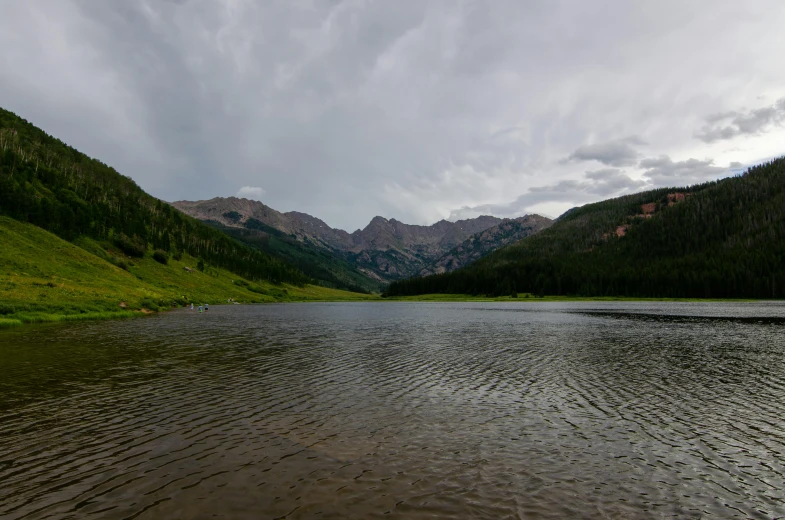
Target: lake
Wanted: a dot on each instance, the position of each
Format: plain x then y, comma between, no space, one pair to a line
399,410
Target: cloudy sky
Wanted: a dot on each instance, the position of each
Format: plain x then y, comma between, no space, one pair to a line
417,110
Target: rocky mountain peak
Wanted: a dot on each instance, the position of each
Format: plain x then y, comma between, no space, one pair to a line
385,249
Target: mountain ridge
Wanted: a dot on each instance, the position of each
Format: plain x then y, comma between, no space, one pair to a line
487,241
294,221
384,250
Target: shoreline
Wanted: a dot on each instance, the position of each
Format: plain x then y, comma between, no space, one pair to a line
22,319
436,298
16,320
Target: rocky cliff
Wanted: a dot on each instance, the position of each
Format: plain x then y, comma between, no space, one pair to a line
235,212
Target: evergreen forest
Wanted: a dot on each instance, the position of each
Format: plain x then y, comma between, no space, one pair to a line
327,267
49,184
721,239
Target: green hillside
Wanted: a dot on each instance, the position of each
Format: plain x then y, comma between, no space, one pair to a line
320,264
79,240
723,239
45,278
45,182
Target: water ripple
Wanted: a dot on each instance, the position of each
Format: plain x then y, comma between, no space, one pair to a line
529,410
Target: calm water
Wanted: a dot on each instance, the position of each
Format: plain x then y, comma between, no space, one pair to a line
403,410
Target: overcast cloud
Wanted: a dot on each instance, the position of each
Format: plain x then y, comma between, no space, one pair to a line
412,110
752,122
663,171
251,192
612,153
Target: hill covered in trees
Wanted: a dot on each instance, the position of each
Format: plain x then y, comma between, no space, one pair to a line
480,244
723,239
324,265
78,240
47,183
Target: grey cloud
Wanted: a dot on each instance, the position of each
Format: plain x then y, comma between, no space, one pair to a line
596,184
663,171
727,125
346,109
613,181
611,153
250,192
520,206
603,182
720,116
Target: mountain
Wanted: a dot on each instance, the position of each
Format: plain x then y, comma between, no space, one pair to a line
391,250
723,239
317,262
235,212
384,250
485,242
299,239
62,198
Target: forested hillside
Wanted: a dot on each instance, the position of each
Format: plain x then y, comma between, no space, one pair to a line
51,185
483,243
330,269
723,239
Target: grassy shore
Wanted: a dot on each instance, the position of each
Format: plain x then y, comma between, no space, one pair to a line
46,279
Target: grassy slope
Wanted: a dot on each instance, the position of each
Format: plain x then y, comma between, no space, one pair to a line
45,278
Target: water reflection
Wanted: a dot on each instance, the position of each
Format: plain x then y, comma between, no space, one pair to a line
581,410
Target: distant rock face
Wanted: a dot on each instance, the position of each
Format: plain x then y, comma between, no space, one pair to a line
486,241
234,212
385,249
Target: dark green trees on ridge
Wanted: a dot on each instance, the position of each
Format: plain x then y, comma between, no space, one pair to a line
723,239
47,183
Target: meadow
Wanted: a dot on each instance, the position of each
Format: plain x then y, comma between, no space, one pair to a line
45,279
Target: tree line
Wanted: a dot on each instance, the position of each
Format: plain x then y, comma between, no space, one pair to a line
721,239
49,184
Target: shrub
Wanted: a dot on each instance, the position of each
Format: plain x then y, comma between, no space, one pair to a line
119,262
161,256
132,247
149,303
257,290
177,255
6,322
232,216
